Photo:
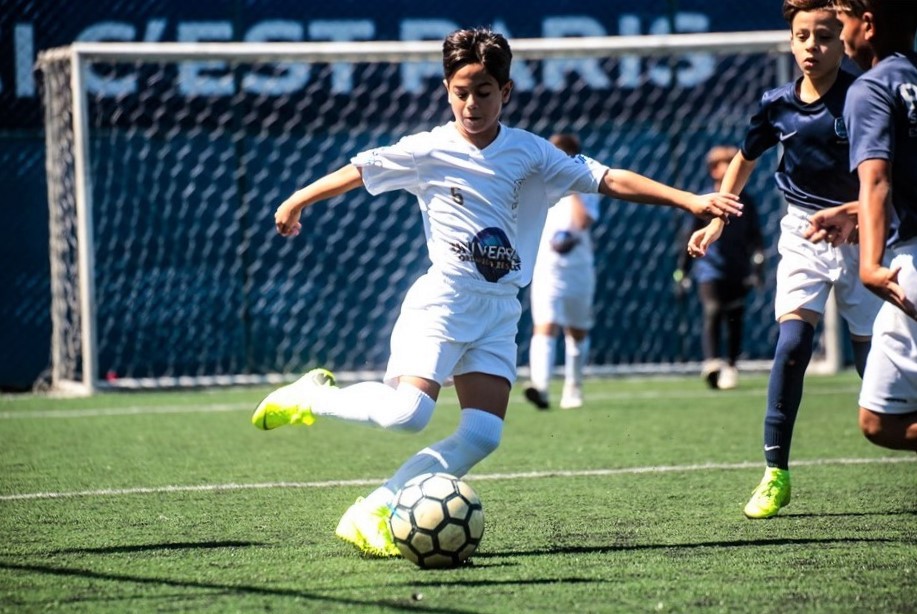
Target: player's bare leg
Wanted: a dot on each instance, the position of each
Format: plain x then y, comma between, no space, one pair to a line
893,431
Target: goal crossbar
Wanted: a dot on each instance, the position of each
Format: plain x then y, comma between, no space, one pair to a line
406,51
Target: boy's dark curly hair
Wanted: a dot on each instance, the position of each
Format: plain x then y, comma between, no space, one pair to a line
792,7
477,46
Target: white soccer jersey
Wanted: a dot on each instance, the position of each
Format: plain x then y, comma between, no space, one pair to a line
576,264
563,286
483,209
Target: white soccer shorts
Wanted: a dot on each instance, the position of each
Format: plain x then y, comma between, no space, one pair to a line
450,328
568,307
807,272
890,380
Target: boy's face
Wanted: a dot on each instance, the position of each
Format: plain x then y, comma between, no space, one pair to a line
816,43
856,34
476,100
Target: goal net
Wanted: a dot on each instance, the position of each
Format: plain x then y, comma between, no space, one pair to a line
166,162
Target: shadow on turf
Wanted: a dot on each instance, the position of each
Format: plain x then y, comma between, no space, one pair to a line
397,606
851,514
150,547
719,544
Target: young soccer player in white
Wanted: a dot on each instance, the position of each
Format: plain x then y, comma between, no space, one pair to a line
806,118
483,189
562,291
881,113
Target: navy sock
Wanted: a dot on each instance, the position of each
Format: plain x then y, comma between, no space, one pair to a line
784,389
860,352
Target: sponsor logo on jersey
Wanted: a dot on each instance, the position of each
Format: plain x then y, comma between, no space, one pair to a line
491,253
840,128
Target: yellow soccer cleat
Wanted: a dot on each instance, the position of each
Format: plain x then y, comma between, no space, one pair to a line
368,530
291,404
772,493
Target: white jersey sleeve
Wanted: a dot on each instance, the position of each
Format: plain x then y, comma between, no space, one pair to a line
385,169
561,178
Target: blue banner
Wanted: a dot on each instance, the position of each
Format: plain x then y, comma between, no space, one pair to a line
29,26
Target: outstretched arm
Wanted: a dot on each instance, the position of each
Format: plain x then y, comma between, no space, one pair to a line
875,191
734,180
737,174
836,225
631,186
701,239
286,218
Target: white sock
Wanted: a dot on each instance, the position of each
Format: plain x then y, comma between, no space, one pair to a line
478,434
373,403
542,350
576,354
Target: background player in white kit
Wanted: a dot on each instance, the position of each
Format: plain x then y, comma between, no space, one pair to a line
563,288
484,190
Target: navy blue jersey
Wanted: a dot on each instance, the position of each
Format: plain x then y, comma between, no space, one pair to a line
814,172
882,115
729,257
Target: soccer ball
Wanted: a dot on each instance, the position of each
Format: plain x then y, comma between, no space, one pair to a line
438,520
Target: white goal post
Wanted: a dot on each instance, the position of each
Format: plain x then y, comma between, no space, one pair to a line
165,162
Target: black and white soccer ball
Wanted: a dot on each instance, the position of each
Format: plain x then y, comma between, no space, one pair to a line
438,520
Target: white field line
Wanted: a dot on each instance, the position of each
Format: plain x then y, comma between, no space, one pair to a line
102,412
141,410
526,475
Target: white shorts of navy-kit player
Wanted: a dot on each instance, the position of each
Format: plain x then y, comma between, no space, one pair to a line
807,271
881,113
890,380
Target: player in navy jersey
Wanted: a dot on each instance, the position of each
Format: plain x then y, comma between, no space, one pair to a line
483,189
806,117
731,267
881,116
